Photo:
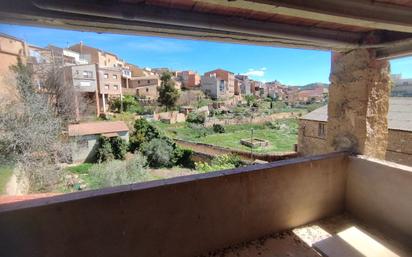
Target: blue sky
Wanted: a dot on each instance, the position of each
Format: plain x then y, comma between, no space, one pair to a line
289,66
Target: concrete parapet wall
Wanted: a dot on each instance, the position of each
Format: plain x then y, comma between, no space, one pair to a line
183,216
379,194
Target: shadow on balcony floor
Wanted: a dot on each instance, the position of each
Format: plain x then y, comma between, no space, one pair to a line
340,235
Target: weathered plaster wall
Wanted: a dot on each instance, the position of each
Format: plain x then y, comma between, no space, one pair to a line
358,103
379,194
184,216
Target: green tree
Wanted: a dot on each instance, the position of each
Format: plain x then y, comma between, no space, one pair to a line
105,150
130,104
168,94
119,147
143,132
159,152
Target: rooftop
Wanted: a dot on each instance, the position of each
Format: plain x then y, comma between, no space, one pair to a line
99,127
399,116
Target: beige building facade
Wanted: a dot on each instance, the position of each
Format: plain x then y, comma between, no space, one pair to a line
11,49
313,131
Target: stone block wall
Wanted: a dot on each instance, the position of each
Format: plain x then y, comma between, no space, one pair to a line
399,148
358,103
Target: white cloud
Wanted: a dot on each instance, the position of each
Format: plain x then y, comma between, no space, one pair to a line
256,72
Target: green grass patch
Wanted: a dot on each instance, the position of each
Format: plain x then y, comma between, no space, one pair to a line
281,137
80,169
5,173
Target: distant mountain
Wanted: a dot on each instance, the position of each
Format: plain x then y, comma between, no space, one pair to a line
316,84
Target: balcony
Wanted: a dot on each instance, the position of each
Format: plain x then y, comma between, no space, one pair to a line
333,204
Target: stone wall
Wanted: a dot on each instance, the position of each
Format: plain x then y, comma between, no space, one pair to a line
255,120
309,141
358,103
399,148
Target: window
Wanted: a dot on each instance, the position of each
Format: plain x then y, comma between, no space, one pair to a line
148,82
87,74
106,75
105,63
138,82
147,89
321,130
114,76
115,87
106,87
222,85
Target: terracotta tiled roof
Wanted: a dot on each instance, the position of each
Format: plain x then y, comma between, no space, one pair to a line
100,127
399,116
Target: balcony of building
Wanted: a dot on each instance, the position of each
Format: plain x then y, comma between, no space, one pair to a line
334,205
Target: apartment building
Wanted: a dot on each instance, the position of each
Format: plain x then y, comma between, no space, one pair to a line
225,75
110,85
97,56
215,87
401,86
145,87
64,56
84,78
11,49
190,79
244,85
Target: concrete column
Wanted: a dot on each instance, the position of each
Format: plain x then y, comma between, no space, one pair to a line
358,103
104,103
97,104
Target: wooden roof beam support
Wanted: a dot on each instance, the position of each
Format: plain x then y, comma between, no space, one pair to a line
175,22
360,13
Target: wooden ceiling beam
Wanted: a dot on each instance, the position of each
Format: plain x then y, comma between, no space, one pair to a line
360,13
178,23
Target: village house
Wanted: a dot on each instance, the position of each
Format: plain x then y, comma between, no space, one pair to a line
145,87
244,85
227,76
401,86
110,85
313,131
84,137
84,79
64,56
218,84
190,79
11,49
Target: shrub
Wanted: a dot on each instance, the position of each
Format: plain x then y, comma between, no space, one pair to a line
143,132
130,104
217,128
159,152
104,151
116,172
119,147
111,149
221,162
183,157
198,118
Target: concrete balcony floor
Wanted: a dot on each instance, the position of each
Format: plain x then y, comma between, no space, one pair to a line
340,235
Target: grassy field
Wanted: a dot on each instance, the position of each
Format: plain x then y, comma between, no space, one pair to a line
5,173
281,138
